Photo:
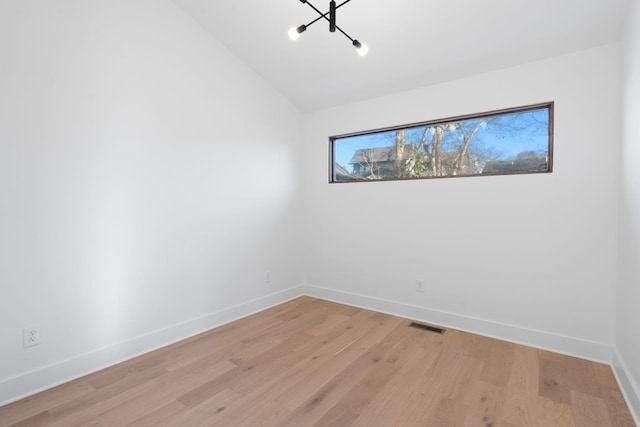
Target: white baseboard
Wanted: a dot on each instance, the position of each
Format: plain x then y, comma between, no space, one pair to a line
630,389
594,351
29,383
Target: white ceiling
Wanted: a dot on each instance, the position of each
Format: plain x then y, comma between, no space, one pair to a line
412,43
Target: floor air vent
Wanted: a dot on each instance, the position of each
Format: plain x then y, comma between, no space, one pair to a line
427,328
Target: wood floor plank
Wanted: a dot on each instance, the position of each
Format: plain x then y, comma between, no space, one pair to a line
588,410
485,406
89,413
459,386
308,357
206,411
223,410
619,414
421,403
103,397
521,404
33,407
497,367
156,417
327,324
263,367
40,419
554,382
375,379
450,354
328,395
242,376
394,398
338,416
344,353
351,389
553,413
604,376
310,362
449,413
165,390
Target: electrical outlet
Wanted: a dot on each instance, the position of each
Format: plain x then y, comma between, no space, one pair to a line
267,277
419,285
31,336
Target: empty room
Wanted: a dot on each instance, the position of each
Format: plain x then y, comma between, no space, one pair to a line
319,213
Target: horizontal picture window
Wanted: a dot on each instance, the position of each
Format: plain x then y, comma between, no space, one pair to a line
512,141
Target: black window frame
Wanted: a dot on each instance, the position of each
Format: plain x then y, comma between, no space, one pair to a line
549,106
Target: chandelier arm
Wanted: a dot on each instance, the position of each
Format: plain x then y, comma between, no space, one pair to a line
323,15
345,34
342,4
319,13
317,19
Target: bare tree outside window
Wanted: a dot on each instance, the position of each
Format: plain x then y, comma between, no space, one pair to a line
512,141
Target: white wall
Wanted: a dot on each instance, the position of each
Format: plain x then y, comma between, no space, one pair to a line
147,182
627,360
529,258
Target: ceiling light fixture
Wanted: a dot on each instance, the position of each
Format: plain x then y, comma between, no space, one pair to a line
294,32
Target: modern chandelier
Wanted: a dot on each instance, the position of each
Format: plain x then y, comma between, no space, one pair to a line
294,33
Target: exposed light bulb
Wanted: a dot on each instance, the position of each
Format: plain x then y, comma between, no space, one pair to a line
362,48
294,34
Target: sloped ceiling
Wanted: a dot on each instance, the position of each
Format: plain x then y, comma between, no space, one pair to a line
412,43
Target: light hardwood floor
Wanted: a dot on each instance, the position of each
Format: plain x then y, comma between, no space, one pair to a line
310,362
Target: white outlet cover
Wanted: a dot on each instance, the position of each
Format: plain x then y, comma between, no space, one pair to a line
31,336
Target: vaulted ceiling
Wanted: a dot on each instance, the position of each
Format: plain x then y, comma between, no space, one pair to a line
412,43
